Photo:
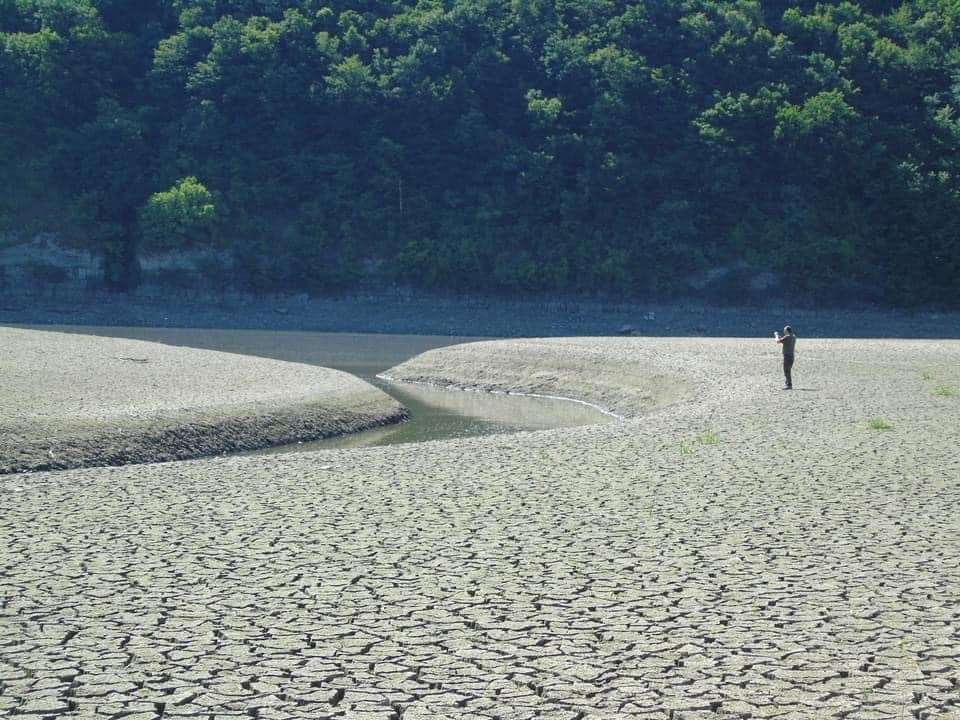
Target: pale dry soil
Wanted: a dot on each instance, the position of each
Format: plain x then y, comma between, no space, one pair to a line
70,400
739,552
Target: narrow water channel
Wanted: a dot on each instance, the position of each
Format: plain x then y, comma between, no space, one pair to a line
435,414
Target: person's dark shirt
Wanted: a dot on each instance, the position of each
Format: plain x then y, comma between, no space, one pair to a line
788,342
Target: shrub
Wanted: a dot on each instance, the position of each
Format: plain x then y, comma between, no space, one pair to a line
179,218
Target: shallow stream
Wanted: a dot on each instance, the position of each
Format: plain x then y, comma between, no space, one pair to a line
435,414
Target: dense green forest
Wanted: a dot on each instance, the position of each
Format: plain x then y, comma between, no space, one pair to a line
615,146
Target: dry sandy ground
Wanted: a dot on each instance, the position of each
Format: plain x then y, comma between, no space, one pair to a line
625,378
744,553
72,400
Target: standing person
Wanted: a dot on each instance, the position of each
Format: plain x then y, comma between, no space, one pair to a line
789,341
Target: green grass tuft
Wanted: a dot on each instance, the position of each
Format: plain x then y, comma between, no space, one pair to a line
704,438
926,375
945,391
879,424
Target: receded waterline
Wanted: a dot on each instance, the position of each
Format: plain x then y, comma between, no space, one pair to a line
435,414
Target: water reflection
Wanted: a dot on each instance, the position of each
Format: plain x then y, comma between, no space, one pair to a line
435,414
438,414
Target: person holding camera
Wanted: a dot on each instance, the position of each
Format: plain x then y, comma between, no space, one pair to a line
789,341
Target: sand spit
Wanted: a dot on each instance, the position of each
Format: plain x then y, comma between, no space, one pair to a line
745,553
74,401
626,377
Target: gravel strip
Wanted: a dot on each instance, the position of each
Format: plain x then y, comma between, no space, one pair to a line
743,552
73,400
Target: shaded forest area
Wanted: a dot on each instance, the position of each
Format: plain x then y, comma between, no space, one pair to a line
573,146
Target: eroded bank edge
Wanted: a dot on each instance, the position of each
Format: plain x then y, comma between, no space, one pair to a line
193,438
491,391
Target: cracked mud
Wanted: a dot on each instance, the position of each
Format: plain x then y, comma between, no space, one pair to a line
743,553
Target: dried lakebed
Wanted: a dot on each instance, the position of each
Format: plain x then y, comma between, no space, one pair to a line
433,415
733,551
71,400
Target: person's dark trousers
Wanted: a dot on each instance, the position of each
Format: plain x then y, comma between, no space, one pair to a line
787,367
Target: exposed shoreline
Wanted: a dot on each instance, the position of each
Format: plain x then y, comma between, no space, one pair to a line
441,385
623,377
470,315
74,401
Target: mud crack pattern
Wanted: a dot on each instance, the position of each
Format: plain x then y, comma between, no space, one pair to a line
732,557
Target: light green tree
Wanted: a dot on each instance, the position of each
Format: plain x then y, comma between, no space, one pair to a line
182,217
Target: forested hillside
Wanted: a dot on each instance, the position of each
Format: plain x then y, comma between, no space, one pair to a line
530,145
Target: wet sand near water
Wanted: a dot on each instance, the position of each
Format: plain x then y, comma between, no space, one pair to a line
437,413
433,415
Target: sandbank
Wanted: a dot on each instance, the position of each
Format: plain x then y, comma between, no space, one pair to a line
73,400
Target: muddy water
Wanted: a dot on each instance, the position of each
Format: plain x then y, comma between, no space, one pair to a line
434,414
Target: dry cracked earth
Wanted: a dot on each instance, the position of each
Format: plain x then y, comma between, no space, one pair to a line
745,553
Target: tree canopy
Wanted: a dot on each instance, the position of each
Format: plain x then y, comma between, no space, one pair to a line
182,217
537,145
